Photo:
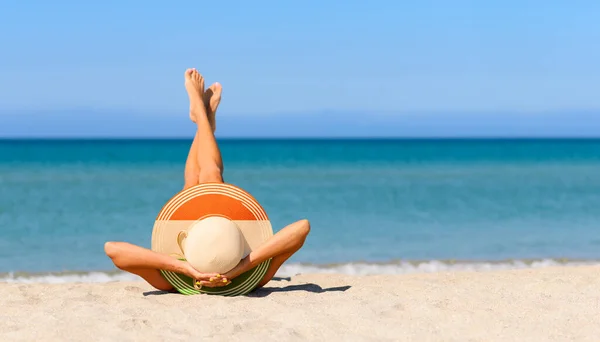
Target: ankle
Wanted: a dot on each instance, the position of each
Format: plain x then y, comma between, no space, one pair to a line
198,112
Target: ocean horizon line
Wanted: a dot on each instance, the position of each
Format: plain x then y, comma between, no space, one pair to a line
309,138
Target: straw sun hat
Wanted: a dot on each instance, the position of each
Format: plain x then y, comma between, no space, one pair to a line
212,226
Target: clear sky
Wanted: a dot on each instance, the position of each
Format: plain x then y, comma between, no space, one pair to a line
283,57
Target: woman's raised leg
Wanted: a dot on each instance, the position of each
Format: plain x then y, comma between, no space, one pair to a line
208,155
211,100
147,263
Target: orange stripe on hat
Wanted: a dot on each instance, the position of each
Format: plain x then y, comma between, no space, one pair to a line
212,204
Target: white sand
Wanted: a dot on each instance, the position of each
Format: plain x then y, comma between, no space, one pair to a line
551,304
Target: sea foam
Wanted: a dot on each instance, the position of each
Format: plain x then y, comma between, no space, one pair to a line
356,268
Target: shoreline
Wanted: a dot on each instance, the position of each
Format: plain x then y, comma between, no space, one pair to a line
542,304
358,268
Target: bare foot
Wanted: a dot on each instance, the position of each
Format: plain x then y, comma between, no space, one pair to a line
194,84
212,98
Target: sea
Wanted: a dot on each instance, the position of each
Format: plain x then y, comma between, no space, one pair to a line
386,206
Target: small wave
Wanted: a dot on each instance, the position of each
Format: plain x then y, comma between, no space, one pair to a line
355,268
67,277
428,266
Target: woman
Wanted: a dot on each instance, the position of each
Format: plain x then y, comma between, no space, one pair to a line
204,165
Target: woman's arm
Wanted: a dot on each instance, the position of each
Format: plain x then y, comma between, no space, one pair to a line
129,257
284,243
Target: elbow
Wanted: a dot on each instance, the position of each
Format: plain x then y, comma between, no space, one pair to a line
304,228
110,248
113,251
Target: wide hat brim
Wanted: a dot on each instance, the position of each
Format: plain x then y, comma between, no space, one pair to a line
205,200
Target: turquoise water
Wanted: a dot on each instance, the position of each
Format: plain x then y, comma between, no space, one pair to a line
374,205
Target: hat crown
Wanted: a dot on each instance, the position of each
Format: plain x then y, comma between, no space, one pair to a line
214,245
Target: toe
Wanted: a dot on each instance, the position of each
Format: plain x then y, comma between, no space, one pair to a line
217,88
214,88
189,74
201,82
208,93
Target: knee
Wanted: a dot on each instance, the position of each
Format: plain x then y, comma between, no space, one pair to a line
211,175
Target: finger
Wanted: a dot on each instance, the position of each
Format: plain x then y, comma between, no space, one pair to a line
214,284
217,277
209,284
207,276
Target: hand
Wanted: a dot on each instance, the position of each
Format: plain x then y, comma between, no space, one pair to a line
217,281
206,279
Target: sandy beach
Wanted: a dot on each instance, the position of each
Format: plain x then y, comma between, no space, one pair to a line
547,304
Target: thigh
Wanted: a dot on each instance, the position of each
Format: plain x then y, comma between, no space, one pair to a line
210,174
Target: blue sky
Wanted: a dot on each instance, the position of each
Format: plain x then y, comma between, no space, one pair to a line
115,61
